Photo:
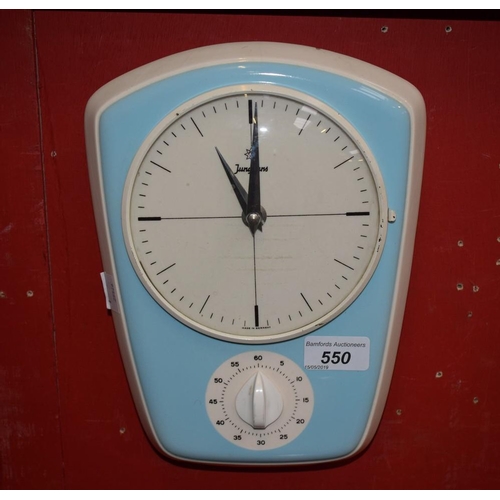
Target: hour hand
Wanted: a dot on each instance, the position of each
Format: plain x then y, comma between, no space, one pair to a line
239,190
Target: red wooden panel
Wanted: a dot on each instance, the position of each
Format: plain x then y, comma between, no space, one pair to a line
437,432
30,442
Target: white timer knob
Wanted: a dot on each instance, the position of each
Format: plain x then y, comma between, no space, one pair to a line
259,402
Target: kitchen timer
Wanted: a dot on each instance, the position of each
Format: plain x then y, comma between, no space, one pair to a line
256,205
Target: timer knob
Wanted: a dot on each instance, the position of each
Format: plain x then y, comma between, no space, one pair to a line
259,402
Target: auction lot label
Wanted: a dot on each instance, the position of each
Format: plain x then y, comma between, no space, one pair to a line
337,353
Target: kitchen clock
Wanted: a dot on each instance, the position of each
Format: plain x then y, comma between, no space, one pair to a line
256,205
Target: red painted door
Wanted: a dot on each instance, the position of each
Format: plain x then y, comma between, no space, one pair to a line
66,414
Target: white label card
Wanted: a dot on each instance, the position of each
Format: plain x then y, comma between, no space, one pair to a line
337,353
108,284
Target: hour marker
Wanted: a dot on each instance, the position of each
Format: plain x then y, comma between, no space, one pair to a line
345,161
194,123
144,219
351,268
250,112
305,300
305,123
166,269
256,314
204,304
154,163
353,214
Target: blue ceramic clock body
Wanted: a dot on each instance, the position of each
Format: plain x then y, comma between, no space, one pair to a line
171,363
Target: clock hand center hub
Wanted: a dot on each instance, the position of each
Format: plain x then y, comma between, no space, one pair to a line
255,220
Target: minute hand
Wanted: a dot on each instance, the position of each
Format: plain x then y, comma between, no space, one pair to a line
254,215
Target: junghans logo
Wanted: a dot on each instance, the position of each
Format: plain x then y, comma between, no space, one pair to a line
247,169
248,155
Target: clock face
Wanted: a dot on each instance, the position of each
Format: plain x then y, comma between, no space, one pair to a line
254,214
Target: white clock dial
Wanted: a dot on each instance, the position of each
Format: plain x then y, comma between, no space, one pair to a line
254,214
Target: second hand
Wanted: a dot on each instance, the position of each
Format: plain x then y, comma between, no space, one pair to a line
256,306
253,213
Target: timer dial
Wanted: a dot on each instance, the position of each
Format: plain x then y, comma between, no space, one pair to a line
259,400
284,246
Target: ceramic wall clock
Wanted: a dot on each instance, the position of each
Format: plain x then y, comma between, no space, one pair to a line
256,205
